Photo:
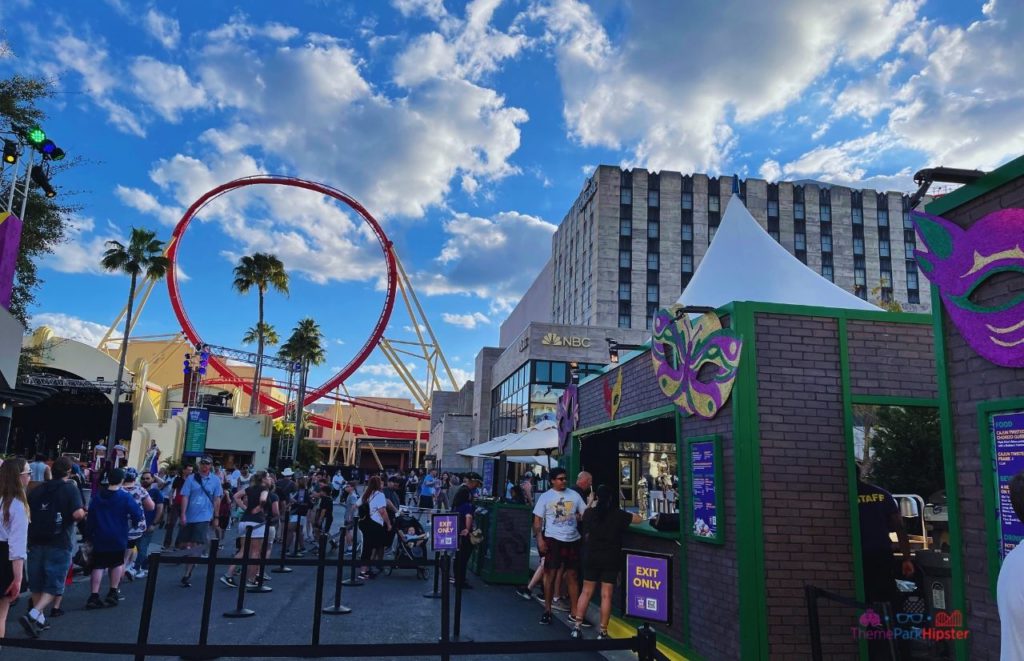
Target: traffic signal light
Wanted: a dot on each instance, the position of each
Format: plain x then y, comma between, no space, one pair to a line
40,179
10,152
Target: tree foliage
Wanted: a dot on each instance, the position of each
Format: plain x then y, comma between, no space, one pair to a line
46,220
309,453
908,451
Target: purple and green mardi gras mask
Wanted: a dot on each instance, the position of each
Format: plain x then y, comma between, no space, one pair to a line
681,352
568,416
959,261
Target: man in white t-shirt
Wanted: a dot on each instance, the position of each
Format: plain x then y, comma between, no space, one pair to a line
555,515
1010,588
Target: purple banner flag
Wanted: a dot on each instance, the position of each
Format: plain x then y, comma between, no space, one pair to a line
10,240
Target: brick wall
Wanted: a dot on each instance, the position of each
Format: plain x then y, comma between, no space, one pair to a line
891,359
640,392
974,380
807,532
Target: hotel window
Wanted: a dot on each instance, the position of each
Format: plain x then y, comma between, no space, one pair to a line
826,272
687,232
687,201
885,279
882,206
858,246
625,227
626,183
911,279
653,229
826,243
883,247
625,259
714,203
653,198
773,227
799,242
711,233
908,249
624,291
652,309
652,262
907,225
624,314
825,205
687,263
913,296
652,293
773,208
913,288
857,215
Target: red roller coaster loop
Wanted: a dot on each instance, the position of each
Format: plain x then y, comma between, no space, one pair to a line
277,408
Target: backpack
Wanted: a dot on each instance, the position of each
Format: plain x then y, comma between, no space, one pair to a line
47,523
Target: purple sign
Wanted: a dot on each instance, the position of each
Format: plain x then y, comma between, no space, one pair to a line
1008,442
703,489
445,532
10,239
648,587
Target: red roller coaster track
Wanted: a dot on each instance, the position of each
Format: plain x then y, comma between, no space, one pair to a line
275,407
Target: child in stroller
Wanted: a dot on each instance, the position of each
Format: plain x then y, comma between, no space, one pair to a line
410,545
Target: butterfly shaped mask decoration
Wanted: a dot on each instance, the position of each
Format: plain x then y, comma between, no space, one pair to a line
695,363
568,416
613,394
958,262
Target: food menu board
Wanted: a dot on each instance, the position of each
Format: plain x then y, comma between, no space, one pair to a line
195,432
704,488
1008,442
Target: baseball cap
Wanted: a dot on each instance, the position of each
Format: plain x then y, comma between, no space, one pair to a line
206,459
473,476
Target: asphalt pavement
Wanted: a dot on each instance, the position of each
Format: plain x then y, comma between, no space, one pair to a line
388,609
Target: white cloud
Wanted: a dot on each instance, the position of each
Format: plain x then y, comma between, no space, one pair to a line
82,248
166,87
146,203
162,28
70,327
381,369
674,83
378,388
467,321
461,376
493,258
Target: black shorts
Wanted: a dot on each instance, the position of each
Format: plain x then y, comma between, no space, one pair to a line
600,574
106,559
561,555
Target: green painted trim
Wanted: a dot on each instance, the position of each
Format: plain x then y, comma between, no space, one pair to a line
753,611
994,179
851,466
719,537
887,400
684,571
989,486
660,412
956,557
841,313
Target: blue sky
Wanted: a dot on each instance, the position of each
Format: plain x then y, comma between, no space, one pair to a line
467,129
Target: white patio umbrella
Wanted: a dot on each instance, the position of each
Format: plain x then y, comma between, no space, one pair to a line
488,449
542,460
542,438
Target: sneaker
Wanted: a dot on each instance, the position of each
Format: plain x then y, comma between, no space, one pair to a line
546,618
559,605
142,573
229,581
31,627
186,581
524,592
603,635
581,622
576,633
265,578
56,612
94,601
112,598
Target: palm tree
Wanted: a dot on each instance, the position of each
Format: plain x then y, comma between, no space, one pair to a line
252,334
142,256
305,346
259,271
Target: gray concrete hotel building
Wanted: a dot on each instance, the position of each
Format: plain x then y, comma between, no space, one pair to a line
632,239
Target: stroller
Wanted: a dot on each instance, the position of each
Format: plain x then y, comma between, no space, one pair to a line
410,545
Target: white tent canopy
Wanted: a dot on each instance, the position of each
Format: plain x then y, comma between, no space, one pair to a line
744,263
488,448
542,460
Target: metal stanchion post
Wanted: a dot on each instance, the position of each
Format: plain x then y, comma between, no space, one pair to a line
286,519
259,587
240,609
436,594
211,568
352,581
147,605
319,598
445,598
337,608
648,642
457,619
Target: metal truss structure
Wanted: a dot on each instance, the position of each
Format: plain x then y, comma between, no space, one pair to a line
63,383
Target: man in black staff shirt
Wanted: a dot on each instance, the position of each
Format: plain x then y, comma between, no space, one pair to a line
462,504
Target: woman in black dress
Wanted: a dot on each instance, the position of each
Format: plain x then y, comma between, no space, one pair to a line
14,475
